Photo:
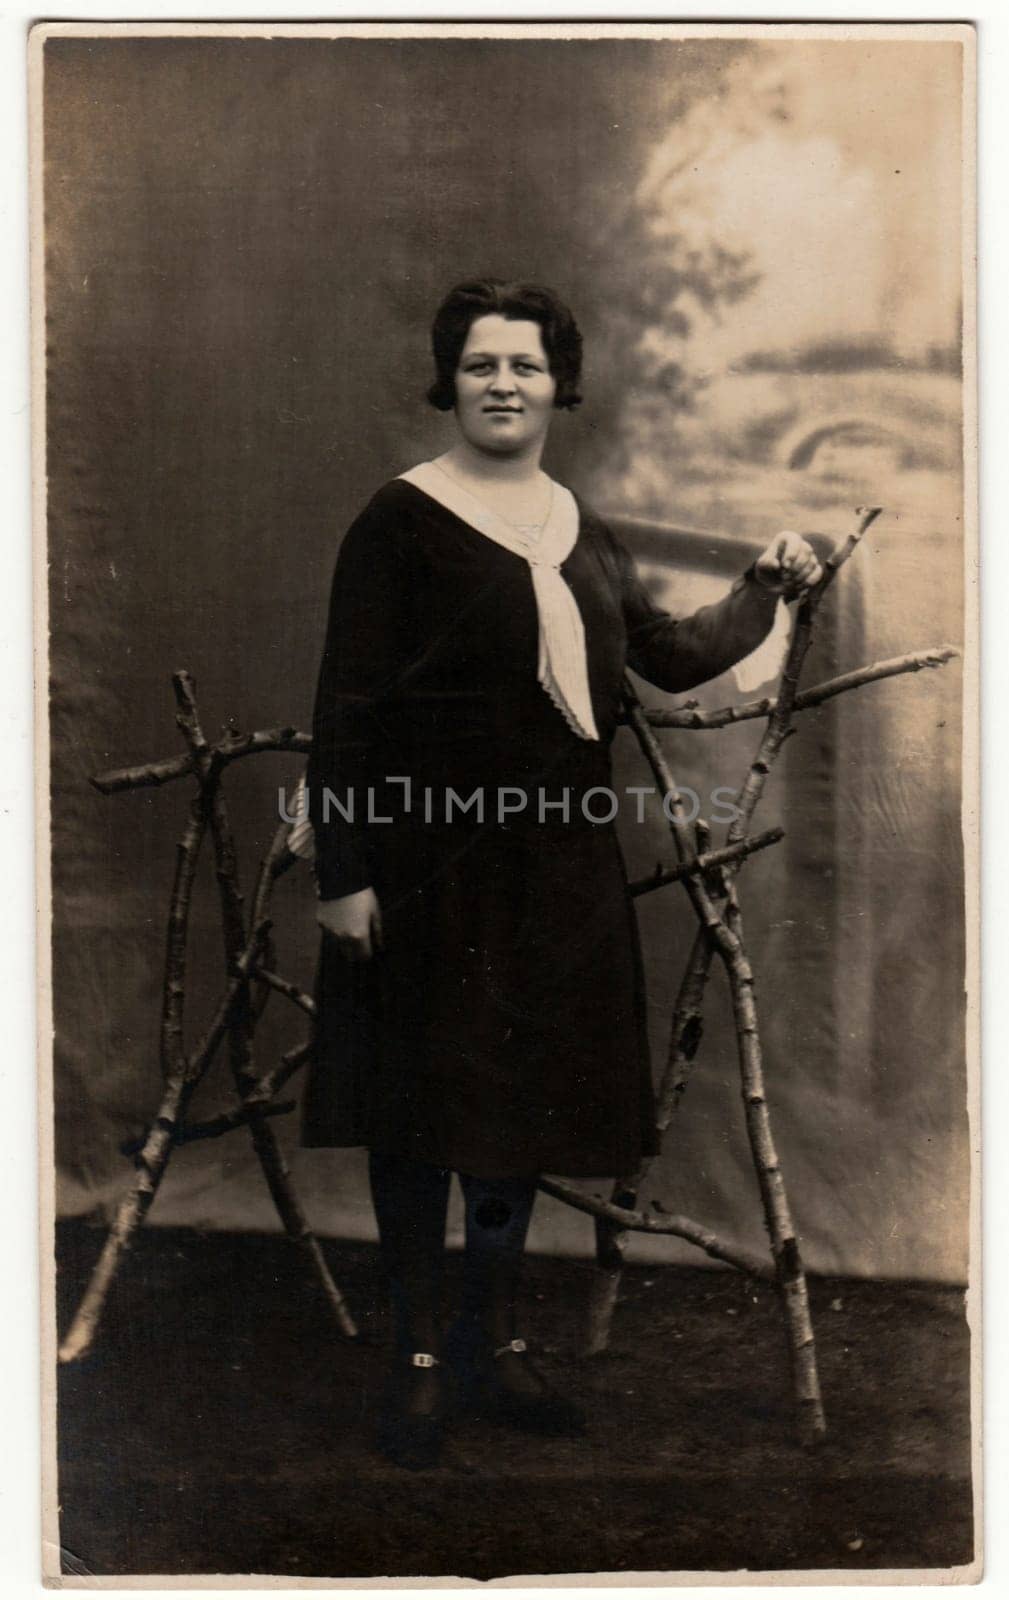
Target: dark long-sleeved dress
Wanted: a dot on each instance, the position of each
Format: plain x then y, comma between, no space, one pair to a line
501,1028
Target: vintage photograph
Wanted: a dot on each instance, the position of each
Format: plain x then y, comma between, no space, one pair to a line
506,617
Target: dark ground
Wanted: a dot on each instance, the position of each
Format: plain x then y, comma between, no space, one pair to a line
214,1432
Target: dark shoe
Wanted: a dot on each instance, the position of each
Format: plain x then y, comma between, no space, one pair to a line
408,1436
534,1409
525,1401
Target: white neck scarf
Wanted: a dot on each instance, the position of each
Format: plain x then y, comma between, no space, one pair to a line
562,667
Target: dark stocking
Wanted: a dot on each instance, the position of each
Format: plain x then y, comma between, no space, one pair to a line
504,1382
498,1211
410,1200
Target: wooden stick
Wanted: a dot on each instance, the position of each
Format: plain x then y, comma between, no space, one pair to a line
275,1168
662,1222
212,1128
289,990
704,861
777,1214
687,1016
151,1164
688,1021
791,1277
174,993
242,972
232,747
689,718
290,1063
779,721
277,860
182,1074
784,1245
686,1033
684,1042
274,864
715,934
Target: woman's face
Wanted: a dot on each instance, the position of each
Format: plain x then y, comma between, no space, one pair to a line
504,387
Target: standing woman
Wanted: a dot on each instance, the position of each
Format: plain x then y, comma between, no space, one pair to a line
481,1008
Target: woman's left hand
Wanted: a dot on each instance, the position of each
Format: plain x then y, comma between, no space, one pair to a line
788,565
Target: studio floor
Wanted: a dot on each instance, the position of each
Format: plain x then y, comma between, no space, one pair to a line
219,1426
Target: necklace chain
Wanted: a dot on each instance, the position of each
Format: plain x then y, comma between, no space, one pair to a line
528,528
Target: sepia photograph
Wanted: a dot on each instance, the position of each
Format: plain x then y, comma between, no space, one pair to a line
506,642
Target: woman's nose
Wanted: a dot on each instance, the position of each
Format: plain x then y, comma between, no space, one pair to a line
503,381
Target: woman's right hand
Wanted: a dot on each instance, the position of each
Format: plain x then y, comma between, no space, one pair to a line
355,921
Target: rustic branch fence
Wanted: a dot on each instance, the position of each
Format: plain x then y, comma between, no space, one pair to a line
709,877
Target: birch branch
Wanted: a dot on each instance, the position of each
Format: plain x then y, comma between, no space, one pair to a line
273,865
686,1033
290,1062
718,934
661,1222
151,1163
727,940
212,1128
705,862
779,721
726,937
232,747
242,970
806,699
684,1041
688,1015
174,993
846,548
791,1277
277,860
225,856
290,990
271,1158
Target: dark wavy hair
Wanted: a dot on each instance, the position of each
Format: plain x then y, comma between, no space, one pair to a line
519,302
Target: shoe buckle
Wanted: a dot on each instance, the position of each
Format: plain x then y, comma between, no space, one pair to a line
518,1345
421,1358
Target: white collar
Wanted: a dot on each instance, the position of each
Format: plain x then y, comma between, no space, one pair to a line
562,667
555,541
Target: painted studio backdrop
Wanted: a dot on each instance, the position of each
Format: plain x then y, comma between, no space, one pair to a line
245,242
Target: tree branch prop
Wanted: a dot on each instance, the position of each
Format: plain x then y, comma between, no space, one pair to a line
703,862
662,1221
232,747
779,721
264,1139
188,1132
275,863
173,1000
684,1042
688,1016
152,1161
290,1063
686,717
777,1214
289,990
234,1016
687,1032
